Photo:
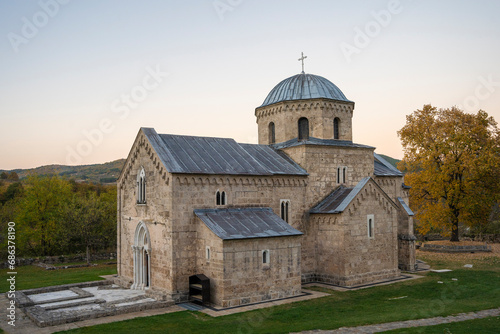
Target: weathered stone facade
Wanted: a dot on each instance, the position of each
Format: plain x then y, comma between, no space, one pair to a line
162,242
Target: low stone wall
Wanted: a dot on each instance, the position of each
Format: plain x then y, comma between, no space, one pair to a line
59,259
455,248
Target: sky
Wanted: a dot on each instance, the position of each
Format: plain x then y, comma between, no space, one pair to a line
79,78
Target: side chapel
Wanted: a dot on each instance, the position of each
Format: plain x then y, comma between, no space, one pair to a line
255,221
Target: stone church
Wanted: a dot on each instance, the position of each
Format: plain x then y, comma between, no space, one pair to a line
229,224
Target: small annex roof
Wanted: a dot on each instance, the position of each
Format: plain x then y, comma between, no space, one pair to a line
405,207
245,223
339,199
320,142
208,155
383,168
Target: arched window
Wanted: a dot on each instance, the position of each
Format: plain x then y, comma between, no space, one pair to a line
265,256
303,128
272,135
217,198
220,198
371,226
284,209
336,128
141,186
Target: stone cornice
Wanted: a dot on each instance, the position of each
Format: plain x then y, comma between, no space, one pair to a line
301,105
266,181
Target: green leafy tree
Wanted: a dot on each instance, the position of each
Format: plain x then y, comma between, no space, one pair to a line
3,176
90,221
452,161
40,214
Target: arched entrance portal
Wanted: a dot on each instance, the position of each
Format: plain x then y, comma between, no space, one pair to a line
142,257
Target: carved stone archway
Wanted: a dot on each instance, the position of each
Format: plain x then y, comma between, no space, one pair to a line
142,257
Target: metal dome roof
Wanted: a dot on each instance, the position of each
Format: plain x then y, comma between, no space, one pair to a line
302,87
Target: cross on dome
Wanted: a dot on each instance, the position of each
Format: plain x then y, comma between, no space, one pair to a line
302,60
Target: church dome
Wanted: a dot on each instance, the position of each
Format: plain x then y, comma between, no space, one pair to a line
302,87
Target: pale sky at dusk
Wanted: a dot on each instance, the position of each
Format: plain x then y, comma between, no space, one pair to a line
71,68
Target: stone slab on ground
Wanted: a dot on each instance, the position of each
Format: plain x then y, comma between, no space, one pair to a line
51,306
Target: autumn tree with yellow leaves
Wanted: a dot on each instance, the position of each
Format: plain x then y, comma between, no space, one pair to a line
452,163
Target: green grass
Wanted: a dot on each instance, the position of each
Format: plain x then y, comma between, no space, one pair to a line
472,291
486,325
29,277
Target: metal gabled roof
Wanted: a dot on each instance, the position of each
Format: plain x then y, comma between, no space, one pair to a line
319,142
405,207
245,223
207,155
302,87
339,199
383,168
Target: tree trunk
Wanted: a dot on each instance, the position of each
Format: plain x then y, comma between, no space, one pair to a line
88,255
454,229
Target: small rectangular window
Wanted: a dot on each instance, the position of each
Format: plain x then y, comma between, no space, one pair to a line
208,253
371,226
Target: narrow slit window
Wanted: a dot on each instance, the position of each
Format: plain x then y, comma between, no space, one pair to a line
141,187
371,226
265,256
285,209
344,174
272,134
217,198
336,128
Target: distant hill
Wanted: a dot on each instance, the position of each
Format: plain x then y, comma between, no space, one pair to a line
97,173
390,160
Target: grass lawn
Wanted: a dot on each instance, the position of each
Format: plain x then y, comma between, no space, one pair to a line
29,277
474,289
486,325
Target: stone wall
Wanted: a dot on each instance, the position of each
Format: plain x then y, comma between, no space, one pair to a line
198,192
213,268
320,113
346,254
248,280
155,214
321,162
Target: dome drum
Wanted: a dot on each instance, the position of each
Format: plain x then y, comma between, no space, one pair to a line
328,111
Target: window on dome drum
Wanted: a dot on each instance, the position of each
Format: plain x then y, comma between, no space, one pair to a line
265,256
303,128
371,226
272,134
336,128
141,186
284,209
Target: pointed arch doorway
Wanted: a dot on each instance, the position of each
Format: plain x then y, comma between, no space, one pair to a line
142,257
